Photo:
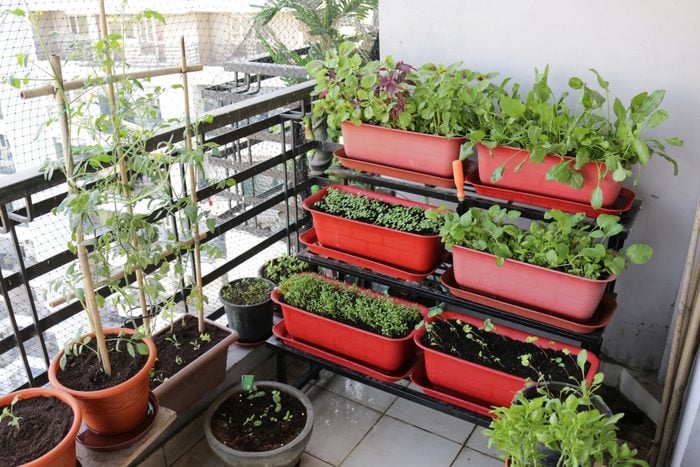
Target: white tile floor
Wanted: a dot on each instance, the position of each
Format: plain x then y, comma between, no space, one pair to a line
359,426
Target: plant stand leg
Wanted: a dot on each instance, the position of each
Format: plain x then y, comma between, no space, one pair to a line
281,367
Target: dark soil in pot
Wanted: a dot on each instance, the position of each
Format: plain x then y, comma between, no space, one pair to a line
84,371
44,422
522,359
376,212
243,423
184,345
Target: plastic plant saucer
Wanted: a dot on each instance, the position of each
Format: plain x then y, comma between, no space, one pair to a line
308,238
600,318
280,330
100,442
420,379
404,174
623,203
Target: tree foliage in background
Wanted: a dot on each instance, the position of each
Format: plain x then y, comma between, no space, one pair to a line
323,20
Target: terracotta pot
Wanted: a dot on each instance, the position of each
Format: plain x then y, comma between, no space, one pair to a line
286,456
404,250
63,454
532,177
117,409
372,349
481,382
186,387
546,289
417,152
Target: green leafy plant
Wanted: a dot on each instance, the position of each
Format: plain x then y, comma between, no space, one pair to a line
350,305
8,412
373,211
565,425
278,269
247,291
597,130
566,244
433,99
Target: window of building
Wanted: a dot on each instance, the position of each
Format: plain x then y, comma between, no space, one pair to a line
78,24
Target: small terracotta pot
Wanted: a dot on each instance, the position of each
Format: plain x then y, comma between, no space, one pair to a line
63,454
117,409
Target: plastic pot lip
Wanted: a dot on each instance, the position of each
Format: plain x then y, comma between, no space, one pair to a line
58,394
303,398
450,315
399,130
106,392
482,147
226,302
610,278
309,202
422,309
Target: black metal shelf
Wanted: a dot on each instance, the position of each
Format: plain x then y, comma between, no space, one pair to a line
282,350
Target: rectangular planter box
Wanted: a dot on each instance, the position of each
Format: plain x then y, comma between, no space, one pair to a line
532,177
408,251
187,386
417,152
563,294
483,383
383,353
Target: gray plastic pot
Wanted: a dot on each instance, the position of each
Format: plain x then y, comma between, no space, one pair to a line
286,456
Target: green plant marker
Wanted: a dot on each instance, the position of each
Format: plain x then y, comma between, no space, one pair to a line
247,382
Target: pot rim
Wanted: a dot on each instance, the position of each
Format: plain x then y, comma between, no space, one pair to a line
610,278
259,278
399,130
483,147
64,397
110,391
307,204
303,398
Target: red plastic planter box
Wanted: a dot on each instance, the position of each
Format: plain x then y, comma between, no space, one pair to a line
408,251
417,152
380,352
477,381
532,177
557,292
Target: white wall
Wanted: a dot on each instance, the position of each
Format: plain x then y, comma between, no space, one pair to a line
637,45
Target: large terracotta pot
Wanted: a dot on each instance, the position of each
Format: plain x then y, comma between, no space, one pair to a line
408,150
531,177
117,409
557,292
63,454
480,382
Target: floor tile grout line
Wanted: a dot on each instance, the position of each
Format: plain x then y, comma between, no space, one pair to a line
361,439
423,429
184,453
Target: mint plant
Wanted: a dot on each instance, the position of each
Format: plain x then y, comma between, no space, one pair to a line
566,244
349,305
566,424
373,211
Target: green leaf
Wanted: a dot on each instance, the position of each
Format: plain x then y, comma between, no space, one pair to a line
601,82
17,12
597,198
497,174
368,81
22,59
575,83
582,358
674,141
657,118
639,253
512,107
620,174
642,150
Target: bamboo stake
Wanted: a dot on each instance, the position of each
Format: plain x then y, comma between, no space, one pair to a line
679,333
199,305
88,284
50,90
123,174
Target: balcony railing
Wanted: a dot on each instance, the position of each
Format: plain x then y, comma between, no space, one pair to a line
270,174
